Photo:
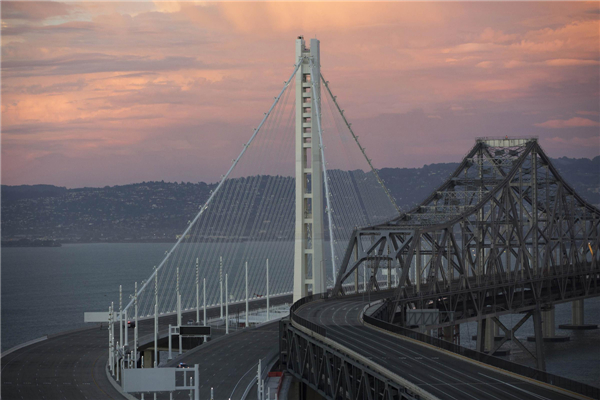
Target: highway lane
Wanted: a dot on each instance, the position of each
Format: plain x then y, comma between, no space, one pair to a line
229,364
71,366
442,375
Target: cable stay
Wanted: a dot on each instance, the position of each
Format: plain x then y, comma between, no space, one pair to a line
213,194
348,125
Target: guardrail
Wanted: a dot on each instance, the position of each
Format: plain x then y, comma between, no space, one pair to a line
319,329
561,382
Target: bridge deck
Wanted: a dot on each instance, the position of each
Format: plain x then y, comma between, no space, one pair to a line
230,364
442,375
71,366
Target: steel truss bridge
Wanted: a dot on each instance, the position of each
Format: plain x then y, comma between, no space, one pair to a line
503,234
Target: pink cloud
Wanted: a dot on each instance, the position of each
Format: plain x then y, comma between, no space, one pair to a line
33,10
492,36
576,141
575,122
569,62
587,112
86,81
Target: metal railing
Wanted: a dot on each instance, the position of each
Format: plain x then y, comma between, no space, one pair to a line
319,329
561,382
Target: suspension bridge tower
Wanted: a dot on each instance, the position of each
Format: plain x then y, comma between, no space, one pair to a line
309,268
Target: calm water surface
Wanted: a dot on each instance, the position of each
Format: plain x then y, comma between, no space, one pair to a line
47,290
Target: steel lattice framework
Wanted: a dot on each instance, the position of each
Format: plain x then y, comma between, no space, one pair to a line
332,373
504,233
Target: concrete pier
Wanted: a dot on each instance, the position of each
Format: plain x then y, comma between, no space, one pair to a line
492,334
497,335
548,331
577,318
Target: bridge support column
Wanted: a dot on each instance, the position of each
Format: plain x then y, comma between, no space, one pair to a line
492,335
309,263
577,318
548,331
539,344
149,358
481,329
451,333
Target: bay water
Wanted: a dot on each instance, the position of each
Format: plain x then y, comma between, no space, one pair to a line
47,290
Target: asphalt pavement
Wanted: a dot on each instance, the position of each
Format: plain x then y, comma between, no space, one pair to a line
437,372
229,364
71,366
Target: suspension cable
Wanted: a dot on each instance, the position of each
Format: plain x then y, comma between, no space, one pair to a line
223,179
389,195
327,197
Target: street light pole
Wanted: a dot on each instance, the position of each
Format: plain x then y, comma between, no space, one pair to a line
221,284
135,329
204,295
197,293
268,308
121,314
226,305
110,353
247,323
155,318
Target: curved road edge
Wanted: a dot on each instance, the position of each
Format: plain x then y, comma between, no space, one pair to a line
479,363
45,337
374,366
23,345
117,387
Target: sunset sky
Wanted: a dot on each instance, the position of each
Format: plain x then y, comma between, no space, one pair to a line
110,93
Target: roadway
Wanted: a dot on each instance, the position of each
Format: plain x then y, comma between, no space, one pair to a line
229,364
68,366
71,366
442,375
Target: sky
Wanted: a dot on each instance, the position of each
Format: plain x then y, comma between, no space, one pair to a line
111,93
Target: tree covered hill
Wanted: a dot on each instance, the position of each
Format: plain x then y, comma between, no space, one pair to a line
158,211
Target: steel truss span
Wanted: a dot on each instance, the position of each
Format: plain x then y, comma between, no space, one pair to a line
332,373
504,233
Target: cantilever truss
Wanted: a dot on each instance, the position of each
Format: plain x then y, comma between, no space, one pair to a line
505,233
330,372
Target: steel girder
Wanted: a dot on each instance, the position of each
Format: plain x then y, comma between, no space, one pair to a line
504,233
332,373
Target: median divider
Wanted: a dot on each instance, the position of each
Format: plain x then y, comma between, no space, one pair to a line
319,329
320,333
521,370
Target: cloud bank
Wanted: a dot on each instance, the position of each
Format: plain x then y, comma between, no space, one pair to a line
113,93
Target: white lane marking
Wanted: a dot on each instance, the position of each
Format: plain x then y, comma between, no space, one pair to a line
363,337
412,351
238,382
441,364
537,396
446,393
466,383
429,384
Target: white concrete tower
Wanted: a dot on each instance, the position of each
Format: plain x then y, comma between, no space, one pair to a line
309,268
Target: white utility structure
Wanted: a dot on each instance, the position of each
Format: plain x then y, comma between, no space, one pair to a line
309,268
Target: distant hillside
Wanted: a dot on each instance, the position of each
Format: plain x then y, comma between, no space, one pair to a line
157,211
410,186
